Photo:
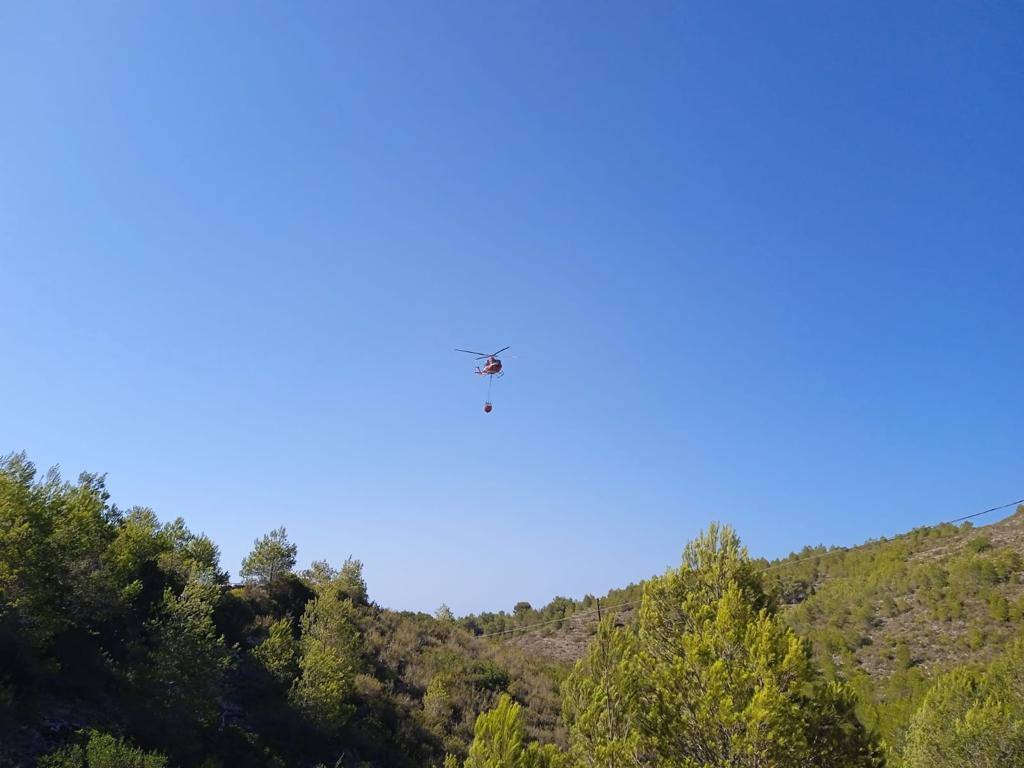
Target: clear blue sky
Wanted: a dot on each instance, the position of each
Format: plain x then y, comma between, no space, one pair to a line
760,263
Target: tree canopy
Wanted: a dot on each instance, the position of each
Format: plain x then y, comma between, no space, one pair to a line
272,557
709,676
130,624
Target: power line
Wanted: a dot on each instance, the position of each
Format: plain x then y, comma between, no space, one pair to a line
776,564
780,563
986,511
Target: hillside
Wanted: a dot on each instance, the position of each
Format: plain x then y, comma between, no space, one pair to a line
115,625
120,634
888,615
943,582
933,598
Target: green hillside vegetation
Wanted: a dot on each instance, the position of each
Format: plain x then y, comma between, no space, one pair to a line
120,635
888,617
892,615
123,643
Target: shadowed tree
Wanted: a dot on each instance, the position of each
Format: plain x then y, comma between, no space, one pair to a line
188,658
331,655
101,750
279,653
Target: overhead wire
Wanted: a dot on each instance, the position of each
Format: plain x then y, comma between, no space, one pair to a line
1018,502
770,566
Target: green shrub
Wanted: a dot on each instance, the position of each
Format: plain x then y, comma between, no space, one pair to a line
979,544
101,750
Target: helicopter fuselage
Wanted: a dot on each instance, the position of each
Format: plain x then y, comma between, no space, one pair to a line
491,367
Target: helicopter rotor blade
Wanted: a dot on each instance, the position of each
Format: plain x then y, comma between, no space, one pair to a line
502,350
471,352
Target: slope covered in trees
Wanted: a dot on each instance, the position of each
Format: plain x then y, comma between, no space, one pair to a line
892,615
889,616
121,636
122,643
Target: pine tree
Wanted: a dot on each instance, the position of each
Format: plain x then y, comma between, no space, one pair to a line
444,614
279,652
600,701
319,574
499,741
972,717
189,657
499,737
271,558
709,677
331,655
350,580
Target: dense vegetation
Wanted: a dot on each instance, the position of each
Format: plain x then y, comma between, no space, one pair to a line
123,643
119,633
892,615
888,617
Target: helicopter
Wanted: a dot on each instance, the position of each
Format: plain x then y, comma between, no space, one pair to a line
491,368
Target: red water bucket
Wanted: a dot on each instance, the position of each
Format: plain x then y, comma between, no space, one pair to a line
487,407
